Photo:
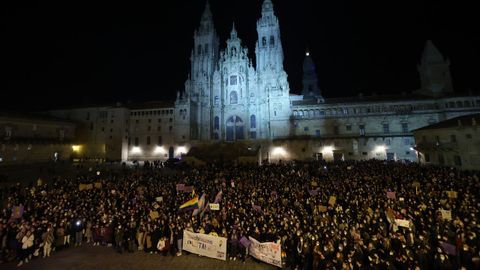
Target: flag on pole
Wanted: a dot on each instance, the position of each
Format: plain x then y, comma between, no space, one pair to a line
201,205
190,204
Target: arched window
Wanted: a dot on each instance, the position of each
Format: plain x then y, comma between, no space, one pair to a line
272,41
206,48
264,41
233,97
199,49
217,100
216,123
253,121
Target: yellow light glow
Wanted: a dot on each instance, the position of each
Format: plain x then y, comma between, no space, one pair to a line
136,150
279,151
181,150
380,148
159,150
328,150
76,148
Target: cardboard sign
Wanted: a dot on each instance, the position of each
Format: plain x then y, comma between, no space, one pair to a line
402,223
332,200
322,208
214,206
98,185
154,215
452,194
85,187
391,195
159,199
446,214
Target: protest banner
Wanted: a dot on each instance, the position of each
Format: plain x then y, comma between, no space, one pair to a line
159,199
214,206
205,245
313,192
98,185
187,189
268,252
332,200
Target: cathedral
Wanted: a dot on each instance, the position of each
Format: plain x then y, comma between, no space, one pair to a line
226,97
229,99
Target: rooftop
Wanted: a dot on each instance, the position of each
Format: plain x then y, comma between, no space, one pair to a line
461,121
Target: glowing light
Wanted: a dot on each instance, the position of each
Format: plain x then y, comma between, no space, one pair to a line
411,149
307,54
76,148
328,150
279,151
159,150
380,148
136,150
181,150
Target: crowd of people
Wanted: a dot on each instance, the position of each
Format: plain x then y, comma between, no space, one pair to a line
290,203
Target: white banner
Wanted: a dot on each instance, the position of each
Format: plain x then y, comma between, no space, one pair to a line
205,245
268,252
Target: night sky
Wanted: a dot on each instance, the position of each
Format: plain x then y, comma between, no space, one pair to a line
57,54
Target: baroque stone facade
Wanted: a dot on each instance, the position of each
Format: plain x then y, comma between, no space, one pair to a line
226,98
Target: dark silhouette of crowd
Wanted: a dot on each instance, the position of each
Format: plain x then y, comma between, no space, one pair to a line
325,215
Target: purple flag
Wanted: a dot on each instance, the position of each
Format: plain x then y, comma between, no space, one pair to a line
245,242
188,189
180,187
448,248
391,195
313,192
17,211
218,198
257,208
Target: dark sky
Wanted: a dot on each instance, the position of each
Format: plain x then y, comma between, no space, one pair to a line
79,52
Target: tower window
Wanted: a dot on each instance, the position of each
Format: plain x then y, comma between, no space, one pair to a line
233,97
264,41
148,140
253,121
206,48
233,80
386,128
199,49
216,123
272,41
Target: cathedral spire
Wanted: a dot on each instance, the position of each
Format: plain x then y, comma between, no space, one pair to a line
207,13
431,54
310,81
434,72
267,6
233,33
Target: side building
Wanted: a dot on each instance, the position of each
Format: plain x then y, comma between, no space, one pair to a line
32,138
454,142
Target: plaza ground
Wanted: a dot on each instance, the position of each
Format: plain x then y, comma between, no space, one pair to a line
105,258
